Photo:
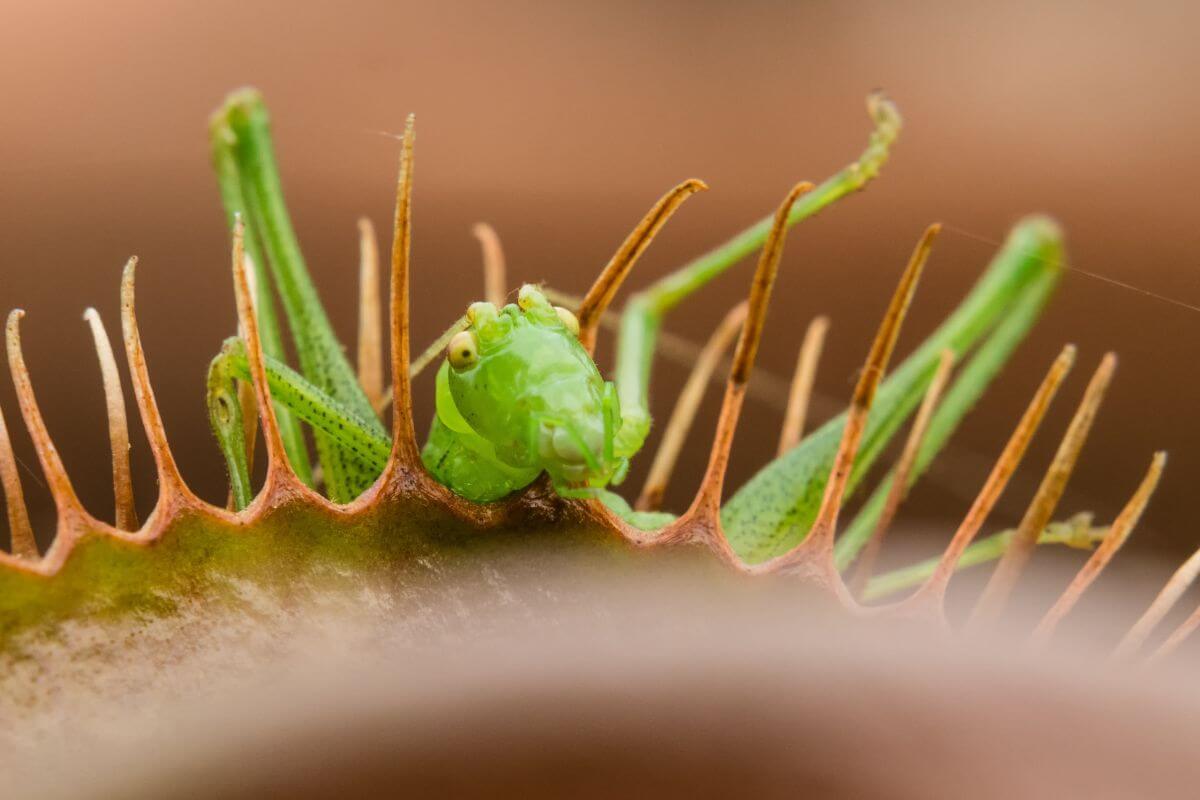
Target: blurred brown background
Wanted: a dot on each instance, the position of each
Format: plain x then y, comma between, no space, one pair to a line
560,124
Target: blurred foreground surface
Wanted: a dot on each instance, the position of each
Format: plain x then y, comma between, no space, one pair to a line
560,124
589,683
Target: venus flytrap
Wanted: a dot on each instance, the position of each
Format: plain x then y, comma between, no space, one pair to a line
526,413
519,397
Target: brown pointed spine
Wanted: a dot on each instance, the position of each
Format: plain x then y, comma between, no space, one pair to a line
118,425
66,502
901,475
170,482
1041,508
601,295
684,413
279,471
1177,637
932,594
813,557
406,455
702,521
370,318
1120,531
800,391
24,545
1180,582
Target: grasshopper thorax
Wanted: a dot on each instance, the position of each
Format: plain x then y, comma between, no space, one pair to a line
519,378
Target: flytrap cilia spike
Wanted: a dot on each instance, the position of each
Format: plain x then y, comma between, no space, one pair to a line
536,459
813,558
118,425
370,319
904,467
800,391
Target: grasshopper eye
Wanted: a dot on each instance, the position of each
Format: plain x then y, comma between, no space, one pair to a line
569,320
528,296
463,351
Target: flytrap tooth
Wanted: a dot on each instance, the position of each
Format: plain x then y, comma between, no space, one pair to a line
434,351
280,477
766,386
118,425
1041,509
406,454
20,531
800,391
813,557
931,596
702,521
1180,581
171,485
66,502
370,315
598,298
245,392
1120,531
1177,637
900,475
495,280
684,413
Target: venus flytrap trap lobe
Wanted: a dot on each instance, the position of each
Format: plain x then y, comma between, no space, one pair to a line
389,511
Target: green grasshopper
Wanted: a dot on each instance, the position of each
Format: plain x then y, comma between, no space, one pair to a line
518,393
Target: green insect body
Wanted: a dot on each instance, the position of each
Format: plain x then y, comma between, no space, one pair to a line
518,395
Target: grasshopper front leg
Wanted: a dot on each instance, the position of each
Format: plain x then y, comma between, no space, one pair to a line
644,313
228,424
244,156
364,437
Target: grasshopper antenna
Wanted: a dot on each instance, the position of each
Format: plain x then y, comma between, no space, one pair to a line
495,280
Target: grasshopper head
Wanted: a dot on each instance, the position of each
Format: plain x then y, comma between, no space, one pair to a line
518,378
